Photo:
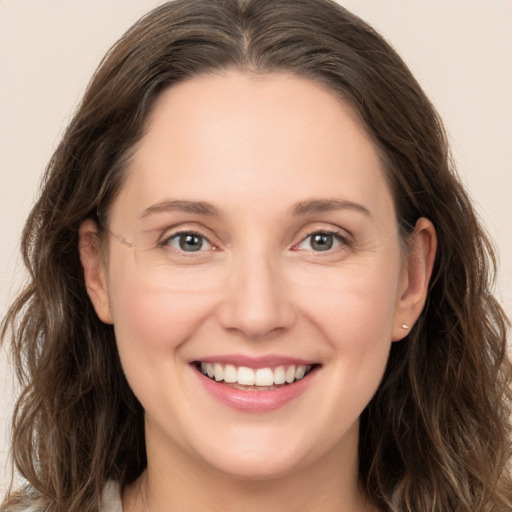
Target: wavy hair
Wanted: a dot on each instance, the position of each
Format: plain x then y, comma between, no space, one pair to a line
435,437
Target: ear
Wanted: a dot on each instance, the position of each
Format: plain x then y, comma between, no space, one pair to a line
92,259
415,277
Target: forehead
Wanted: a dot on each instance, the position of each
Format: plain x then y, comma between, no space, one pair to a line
241,139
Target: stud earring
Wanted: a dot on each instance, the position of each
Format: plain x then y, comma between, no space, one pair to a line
405,326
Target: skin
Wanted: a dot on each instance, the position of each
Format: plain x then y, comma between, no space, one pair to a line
254,147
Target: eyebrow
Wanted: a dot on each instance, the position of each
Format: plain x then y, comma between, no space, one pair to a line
197,207
327,205
204,208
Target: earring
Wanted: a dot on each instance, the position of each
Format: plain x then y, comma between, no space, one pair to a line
405,326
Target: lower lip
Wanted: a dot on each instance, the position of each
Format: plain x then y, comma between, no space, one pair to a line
255,401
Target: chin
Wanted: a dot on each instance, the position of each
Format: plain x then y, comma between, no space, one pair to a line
260,453
253,468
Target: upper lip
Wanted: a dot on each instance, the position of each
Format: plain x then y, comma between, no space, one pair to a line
270,360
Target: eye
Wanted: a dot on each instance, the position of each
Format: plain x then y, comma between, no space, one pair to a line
188,242
321,241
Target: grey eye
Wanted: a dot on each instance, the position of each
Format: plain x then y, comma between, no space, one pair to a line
188,242
321,241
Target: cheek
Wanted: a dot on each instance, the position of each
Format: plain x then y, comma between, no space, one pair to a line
152,329
354,311
357,325
352,303
146,315
151,324
151,318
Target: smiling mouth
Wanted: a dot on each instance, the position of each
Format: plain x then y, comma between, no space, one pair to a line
249,379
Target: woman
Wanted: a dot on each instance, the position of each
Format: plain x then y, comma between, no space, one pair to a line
257,283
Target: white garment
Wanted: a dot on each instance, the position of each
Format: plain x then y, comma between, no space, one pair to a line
112,498
111,501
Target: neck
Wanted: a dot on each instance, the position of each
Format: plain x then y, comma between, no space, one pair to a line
175,481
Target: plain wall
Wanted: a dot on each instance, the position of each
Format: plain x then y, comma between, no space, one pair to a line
459,50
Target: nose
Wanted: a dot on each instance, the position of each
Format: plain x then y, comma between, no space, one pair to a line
255,301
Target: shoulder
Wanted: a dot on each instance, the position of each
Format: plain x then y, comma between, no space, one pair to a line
111,501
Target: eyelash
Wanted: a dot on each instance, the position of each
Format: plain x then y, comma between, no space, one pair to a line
342,239
175,236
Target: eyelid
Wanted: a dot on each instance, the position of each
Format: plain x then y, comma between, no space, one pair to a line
342,236
170,233
177,236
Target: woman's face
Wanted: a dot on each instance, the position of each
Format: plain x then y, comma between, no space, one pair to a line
255,239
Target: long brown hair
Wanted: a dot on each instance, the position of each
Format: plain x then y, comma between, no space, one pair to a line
435,437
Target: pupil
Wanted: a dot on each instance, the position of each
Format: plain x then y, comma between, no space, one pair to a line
191,242
322,242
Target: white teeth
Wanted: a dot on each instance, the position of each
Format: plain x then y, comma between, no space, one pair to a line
230,373
218,372
262,377
245,376
290,374
299,372
279,375
209,370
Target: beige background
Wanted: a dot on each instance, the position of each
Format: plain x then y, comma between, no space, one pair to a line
460,50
